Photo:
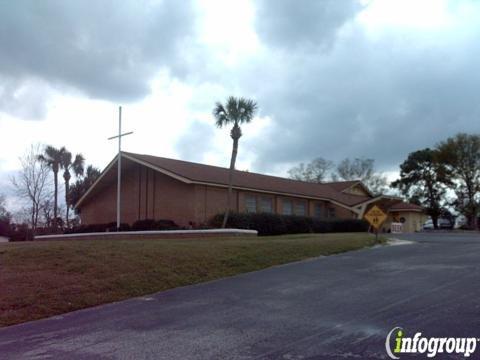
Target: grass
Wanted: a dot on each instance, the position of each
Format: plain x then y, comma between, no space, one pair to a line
41,279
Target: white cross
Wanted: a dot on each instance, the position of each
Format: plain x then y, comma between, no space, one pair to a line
119,165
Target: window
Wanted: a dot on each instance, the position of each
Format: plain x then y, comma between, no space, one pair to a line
318,210
300,208
287,208
331,212
266,204
250,204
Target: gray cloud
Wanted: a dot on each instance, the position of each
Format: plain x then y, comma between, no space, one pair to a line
380,98
106,49
331,89
293,23
24,99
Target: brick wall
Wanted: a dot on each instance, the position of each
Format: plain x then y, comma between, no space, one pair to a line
210,201
148,194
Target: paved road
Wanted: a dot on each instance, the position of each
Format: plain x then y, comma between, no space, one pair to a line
335,307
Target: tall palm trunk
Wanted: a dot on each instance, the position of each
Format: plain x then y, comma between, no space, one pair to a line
55,197
235,135
67,191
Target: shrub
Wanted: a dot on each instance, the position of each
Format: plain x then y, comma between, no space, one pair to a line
110,227
48,231
21,233
140,225
150,224
298,224
4,227
276,224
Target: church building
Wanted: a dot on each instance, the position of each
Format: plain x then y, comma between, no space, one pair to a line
191,194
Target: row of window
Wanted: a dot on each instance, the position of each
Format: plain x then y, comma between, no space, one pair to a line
264,204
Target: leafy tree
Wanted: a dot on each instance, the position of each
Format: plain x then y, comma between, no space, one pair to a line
68,165
424,180
461,155
361,169
235,112
80,187
53,157
316,171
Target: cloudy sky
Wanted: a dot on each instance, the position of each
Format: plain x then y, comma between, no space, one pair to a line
333,78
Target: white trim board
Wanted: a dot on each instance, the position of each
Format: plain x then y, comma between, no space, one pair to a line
152,232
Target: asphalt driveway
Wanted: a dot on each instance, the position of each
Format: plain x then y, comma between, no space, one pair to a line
340,306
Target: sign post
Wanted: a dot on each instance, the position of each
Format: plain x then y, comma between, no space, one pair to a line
376,217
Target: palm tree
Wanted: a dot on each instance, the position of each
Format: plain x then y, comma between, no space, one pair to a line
77,167
80,187
234,112
53,158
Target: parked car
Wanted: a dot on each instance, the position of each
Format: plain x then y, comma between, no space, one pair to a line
460,222
442,223
428,225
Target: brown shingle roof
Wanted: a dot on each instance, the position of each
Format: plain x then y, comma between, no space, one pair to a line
403,206
218,175
343,185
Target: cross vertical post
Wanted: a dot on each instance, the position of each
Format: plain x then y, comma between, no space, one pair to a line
119,164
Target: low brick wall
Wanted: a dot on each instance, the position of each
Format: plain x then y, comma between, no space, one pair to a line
151,235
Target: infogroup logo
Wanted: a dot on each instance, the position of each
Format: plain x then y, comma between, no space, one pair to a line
397,344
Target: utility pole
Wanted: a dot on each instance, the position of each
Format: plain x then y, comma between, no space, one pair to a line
119,163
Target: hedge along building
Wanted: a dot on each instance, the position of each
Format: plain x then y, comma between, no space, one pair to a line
191,193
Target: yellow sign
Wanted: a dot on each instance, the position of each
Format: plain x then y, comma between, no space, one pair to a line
375,216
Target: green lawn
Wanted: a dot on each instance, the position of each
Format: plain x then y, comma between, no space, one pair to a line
41,279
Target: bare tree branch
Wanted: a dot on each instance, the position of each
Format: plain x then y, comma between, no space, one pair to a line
32,183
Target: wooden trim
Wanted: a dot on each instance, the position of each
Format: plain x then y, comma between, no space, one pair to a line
238,201
154,192
205,205
359,183
146,192
139,192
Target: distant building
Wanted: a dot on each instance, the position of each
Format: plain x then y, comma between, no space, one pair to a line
191,193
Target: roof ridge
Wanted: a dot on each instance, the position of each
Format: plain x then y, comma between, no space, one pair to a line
192,172
240,171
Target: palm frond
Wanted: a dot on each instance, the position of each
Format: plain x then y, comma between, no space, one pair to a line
42,158
248,108
78,165
220,114
66,159
52,156
235,111
53,153
92,172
